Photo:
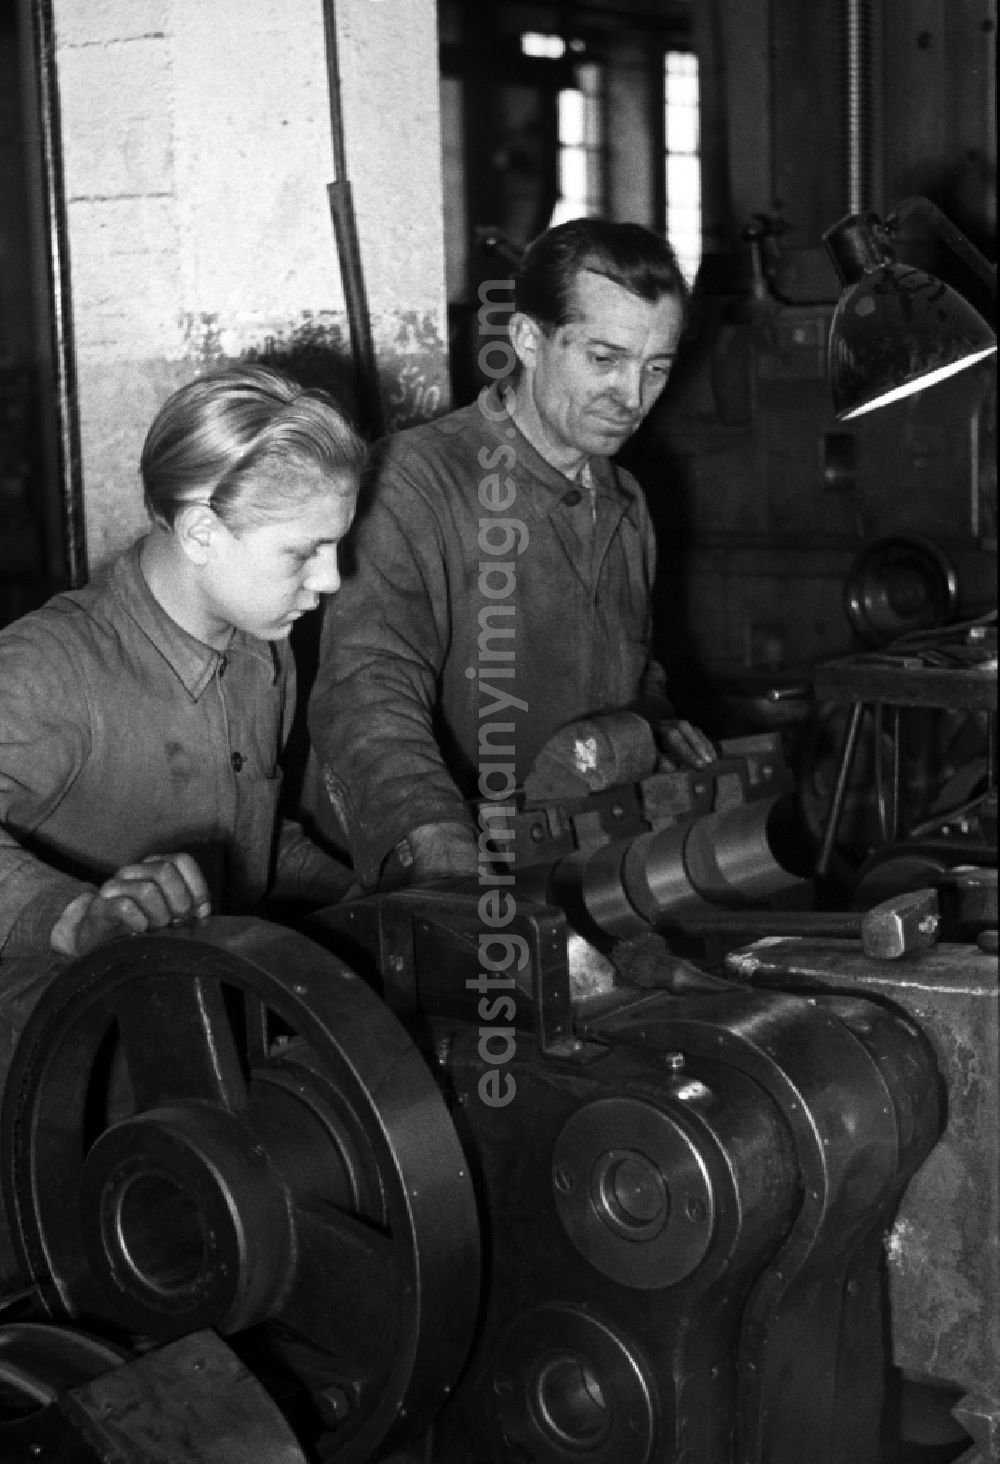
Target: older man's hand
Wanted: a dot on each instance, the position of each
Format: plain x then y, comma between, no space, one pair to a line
439,851
683,744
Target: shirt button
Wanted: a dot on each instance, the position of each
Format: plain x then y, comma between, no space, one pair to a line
237,761
223,663
572,498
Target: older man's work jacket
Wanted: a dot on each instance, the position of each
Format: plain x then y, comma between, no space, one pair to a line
487,600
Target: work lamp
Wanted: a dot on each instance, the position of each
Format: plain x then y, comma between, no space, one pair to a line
896,329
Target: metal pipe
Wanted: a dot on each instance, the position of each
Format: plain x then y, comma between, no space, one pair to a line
858,103
341,201
63,362
840,790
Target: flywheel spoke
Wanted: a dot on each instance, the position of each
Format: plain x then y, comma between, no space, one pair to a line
258,1025
345,1287
177,1032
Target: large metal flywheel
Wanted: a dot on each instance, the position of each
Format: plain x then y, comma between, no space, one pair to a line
223,1127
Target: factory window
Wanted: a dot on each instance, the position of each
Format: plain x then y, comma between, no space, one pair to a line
682,161
581,174
533,43
580,120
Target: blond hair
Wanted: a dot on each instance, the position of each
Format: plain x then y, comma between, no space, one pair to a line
214,432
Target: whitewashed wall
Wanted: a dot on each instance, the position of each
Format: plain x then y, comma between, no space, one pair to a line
197,154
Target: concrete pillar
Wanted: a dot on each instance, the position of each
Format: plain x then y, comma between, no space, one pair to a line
197,153
635,94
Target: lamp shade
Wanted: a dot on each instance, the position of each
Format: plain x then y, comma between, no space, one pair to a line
895,330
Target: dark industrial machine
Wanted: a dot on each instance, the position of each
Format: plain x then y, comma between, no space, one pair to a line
556,1165
230,1130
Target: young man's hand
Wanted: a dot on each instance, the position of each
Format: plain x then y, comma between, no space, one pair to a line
160,890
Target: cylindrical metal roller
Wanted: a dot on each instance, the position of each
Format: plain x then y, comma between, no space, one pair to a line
736,857
743,855
656,875
602,890
588,886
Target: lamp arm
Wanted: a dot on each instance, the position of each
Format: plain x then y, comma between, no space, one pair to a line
920,207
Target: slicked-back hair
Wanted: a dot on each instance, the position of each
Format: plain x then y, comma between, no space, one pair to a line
629,255
218,429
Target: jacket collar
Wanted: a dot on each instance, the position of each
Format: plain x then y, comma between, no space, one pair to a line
552,485
192,661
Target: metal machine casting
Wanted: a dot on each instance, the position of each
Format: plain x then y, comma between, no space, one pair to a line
557,1165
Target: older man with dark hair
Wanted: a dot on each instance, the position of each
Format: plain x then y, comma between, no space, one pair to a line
504,565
